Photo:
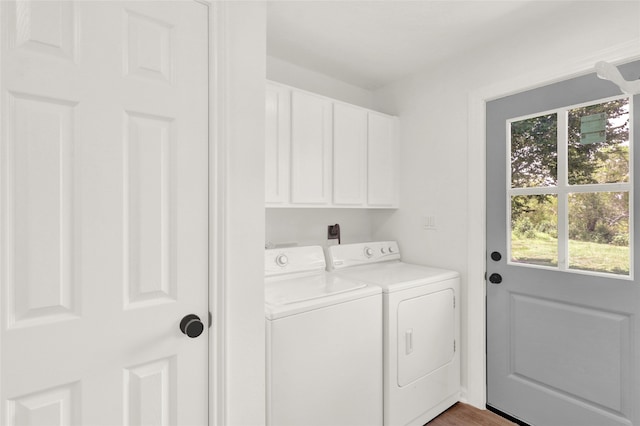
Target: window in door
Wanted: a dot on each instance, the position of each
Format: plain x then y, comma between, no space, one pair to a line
570,189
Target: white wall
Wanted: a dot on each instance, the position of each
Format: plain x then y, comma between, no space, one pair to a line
239,298
433,111
304,226
309,226
293,75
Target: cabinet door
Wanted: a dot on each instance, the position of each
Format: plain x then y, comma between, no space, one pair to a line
382,161
349,155
310,149
426,335
278,143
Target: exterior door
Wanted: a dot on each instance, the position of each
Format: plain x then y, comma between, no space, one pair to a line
104,210
563,340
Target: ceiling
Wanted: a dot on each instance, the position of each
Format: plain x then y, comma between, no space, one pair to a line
373,43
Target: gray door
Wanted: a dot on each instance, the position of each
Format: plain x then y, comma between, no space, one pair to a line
562,303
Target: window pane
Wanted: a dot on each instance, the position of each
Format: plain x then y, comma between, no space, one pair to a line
534,154
599,143
599,232
534,229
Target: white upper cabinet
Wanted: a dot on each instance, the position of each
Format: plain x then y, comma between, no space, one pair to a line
310,149
278,143
324,153
382,161
349,155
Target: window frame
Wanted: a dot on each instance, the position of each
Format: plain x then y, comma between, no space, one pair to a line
562,189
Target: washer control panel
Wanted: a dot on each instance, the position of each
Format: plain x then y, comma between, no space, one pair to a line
293,259
345,255
282,259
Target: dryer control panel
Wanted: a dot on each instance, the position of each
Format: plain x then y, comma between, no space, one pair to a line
346,255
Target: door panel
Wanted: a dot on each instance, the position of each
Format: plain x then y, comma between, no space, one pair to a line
567,333
149,174
104,212
42,284
562,347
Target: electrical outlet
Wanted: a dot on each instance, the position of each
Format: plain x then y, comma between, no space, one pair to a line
333,232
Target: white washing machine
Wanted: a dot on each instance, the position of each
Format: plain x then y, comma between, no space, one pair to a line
421,329
324,343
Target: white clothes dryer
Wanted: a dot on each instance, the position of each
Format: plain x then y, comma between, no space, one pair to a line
421,329
324,343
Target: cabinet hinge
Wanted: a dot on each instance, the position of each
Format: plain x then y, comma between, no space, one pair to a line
454,346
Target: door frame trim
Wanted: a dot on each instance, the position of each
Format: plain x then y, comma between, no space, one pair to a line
217,401
476,391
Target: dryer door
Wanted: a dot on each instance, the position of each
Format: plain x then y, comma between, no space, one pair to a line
426,335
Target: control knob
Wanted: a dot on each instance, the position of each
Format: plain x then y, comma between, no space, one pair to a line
282,260
368,251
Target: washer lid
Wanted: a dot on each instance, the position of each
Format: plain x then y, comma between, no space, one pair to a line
396,276
295,294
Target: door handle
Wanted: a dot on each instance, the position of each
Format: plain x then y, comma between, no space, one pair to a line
495,278
191,326
409,341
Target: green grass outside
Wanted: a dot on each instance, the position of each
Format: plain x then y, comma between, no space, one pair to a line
543,250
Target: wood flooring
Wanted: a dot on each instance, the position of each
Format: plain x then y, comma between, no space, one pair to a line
465,415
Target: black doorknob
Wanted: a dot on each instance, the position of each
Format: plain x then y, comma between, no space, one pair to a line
191,325
496,256
495,278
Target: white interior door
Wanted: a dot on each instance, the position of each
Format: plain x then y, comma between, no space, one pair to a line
563,343
104,209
